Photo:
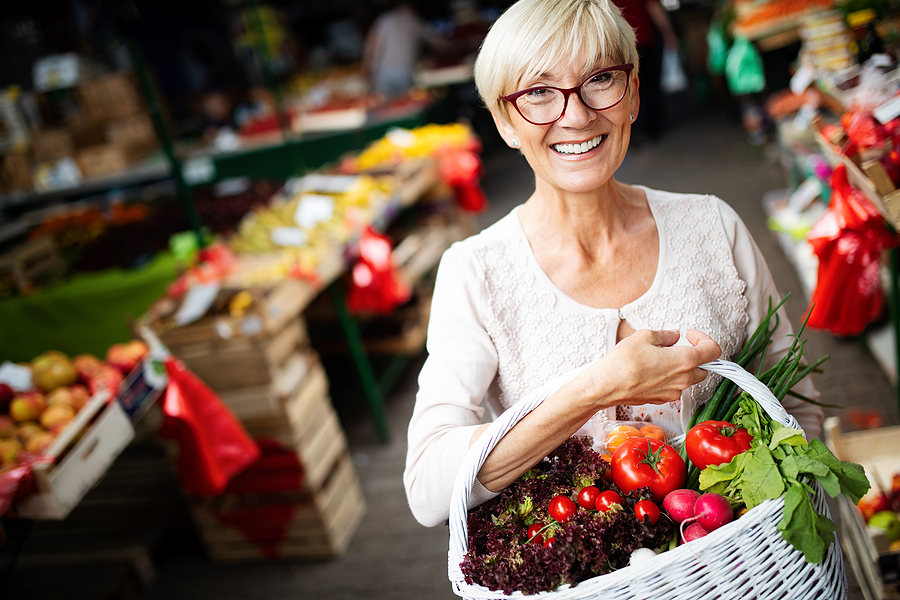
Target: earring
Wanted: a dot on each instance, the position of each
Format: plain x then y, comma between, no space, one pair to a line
632,117
515,143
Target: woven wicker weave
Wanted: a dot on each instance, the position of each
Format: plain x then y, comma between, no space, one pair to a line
747,558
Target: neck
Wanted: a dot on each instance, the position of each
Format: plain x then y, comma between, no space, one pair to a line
583,218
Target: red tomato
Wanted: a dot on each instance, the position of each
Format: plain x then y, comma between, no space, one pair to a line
644,462
606,499
551,542
715,443
534,533
646,512
562,508
587,497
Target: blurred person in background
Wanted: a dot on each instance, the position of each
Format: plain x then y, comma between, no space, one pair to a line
393,47
655,33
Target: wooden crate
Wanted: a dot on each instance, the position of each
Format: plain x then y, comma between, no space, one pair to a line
876,566
315,523
308,424
29,265
272,308
242,362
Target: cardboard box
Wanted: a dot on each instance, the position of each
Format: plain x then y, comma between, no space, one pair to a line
52,144
135,131
105,159
15,172
79,457
110,97
876,567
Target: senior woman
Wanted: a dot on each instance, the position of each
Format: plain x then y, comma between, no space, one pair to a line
588,270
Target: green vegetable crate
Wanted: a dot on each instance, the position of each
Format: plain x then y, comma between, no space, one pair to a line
877,568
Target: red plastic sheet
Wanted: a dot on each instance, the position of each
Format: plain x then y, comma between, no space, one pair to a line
376,285
265,521
848,240
461,170
214,446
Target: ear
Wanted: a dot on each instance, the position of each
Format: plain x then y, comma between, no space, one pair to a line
505,129
635,102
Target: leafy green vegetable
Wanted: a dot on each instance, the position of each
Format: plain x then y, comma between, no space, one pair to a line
778,462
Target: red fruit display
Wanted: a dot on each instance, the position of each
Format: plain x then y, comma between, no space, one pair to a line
125,357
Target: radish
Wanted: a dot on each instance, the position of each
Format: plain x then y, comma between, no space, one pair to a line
712,510
693,532
680,504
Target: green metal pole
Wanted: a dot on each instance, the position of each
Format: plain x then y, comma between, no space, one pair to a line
371,386
895,315
165,140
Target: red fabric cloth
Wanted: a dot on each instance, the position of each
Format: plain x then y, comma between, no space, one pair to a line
214,446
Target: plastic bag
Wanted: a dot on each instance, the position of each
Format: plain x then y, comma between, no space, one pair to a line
376,285
214,446
848,240
717,49
744,68
461,169
673,79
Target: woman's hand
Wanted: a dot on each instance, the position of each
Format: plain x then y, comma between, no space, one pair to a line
648,368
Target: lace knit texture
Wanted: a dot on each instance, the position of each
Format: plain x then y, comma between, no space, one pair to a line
539,332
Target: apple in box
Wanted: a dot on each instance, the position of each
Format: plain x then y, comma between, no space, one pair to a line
27,406
6,396
51,370
73,396
86,365
55,417
125,357
106,377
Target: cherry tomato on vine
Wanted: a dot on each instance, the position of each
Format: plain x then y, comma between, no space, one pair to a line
644,462
534,533
646,512
550,543
715,443
587,497
562,508
606,499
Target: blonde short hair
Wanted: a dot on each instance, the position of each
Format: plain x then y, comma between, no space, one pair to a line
533,36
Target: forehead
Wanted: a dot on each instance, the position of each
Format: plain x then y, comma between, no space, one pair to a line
573,71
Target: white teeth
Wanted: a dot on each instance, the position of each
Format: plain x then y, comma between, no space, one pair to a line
578,148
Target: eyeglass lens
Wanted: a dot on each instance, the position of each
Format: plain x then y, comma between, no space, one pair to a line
545,105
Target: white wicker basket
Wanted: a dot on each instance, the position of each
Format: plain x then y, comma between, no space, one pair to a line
747,558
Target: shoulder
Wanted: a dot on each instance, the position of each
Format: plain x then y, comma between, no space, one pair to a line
717,211
487,244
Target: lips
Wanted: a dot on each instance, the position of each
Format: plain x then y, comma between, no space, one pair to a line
572,149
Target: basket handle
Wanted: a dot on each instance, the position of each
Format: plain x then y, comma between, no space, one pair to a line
478,453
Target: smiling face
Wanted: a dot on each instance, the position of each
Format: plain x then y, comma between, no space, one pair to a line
581,151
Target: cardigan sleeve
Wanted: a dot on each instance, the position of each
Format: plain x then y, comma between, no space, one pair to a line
461,364
752,269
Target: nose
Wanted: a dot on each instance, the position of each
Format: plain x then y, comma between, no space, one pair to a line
576,113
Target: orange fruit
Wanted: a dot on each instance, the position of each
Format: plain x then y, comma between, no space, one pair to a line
654,431
618,434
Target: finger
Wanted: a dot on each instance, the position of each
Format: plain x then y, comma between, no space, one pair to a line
708,348
665,337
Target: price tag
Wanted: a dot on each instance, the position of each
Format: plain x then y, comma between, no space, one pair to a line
888,111
16,376
198,170
197,301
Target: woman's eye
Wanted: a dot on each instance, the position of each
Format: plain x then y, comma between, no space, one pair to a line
537,93
602,78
